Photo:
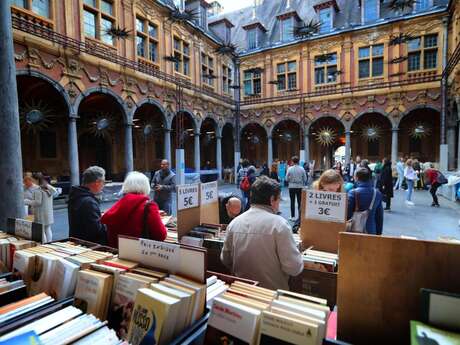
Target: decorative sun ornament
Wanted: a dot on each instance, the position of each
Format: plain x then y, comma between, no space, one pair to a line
148,129
419,131
371,132
326,136
255,139
102,125
287,137
35,116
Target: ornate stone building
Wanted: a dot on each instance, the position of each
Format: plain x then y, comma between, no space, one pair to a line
122,83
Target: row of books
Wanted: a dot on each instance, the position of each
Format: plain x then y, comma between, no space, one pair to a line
64,326
8,246
320,261
248,314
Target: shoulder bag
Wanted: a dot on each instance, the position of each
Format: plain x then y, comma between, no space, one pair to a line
358,221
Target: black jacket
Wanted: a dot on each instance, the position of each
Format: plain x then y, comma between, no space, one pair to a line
85,216
223,215
386,181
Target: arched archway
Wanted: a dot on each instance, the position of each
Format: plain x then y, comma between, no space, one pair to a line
228,146
183,138
208,134
254,144
101,135
326,135
286,140
148,137
44,113
419,134
371,137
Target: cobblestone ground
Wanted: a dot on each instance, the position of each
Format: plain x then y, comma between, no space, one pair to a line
421,220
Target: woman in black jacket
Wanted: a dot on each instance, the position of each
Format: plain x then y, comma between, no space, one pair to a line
386,183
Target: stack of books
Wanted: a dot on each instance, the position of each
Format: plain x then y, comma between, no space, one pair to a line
215,288
247,314
15,310
8,245
320,261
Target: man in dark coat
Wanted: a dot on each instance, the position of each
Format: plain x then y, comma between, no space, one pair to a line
230,206
83,209
164,185
386,184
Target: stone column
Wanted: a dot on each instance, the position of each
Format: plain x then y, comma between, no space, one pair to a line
129,162
306,141
167,146
451,133
73,152
219,156
394,145
197,152
347,147
12,204
270,151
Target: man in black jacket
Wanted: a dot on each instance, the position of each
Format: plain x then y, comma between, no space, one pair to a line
83,208
229,208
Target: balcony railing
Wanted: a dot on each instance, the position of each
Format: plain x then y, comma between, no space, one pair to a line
99,51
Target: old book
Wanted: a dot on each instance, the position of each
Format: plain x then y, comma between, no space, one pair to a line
149,272
215,293
282,330
81,261
115,271
231,322
146,279
43,274
24,265
257,289
200,301
306,304
249,294
299,296
245,301
123,302
64,279
92,293
153,318
192,292
313,313
121,263
18,245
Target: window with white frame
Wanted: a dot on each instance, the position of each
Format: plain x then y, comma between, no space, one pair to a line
326,68
40,7
207,69
98,19
370,10
252,39
370,61
226,78
146,39
182,55
325,19
422,53
287,75
287,29
252,83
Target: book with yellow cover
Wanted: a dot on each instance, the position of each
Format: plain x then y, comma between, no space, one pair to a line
153,318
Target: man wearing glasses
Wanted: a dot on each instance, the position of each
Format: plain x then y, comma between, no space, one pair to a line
83,208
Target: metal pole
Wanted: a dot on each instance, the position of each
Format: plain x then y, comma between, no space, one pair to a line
11,188
73,152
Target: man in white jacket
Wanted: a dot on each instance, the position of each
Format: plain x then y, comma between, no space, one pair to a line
297,179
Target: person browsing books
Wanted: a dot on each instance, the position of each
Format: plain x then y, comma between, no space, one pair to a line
135,209
259,244
230,206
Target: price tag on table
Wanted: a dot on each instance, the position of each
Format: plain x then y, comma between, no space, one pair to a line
209,193
187,196
23,228
326,206
160,254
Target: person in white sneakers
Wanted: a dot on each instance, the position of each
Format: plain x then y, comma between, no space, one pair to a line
411,177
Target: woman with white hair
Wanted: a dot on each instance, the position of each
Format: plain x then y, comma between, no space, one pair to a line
134,214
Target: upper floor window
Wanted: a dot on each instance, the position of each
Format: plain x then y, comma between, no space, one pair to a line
252,83
287,75
182,54
226,78
370,10
207,69
325,18
40,7
371,61
422,51
252,39
287,29
98,19
146,39
203,17
326,68
421,5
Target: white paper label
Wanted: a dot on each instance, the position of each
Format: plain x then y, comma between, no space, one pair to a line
192,241
325,206
160,254
187,196
209,193
23,228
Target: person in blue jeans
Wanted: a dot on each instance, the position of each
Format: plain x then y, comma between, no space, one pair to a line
364,191
411,177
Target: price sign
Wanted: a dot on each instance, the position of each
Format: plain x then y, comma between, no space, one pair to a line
160,254
23,228
209,193
187,196
326,206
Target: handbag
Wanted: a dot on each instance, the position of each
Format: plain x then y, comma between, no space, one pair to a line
145,230
358,221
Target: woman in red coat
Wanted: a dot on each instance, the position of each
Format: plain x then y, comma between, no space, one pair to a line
126,216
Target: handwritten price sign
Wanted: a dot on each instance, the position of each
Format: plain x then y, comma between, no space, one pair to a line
326,206
160,254
187,196
209,193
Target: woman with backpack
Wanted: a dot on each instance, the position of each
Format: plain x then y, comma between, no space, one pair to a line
246,184
134,214
42,204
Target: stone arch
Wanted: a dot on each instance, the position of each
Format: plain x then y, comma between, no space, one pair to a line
254,141
278,121
127,119
154,103
393,123
286,139
316,119
417,107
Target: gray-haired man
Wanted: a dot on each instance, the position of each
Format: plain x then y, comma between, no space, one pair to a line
83,208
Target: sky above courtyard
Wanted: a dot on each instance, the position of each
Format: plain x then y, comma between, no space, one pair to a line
233,5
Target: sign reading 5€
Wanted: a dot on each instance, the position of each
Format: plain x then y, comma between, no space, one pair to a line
209,193
187,196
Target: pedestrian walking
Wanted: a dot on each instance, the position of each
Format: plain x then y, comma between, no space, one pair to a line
274,172
42,204
431,178
296,179
244,187
419,171
400,173
378,171
282,172
164,185
249,180
386,183
411,177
